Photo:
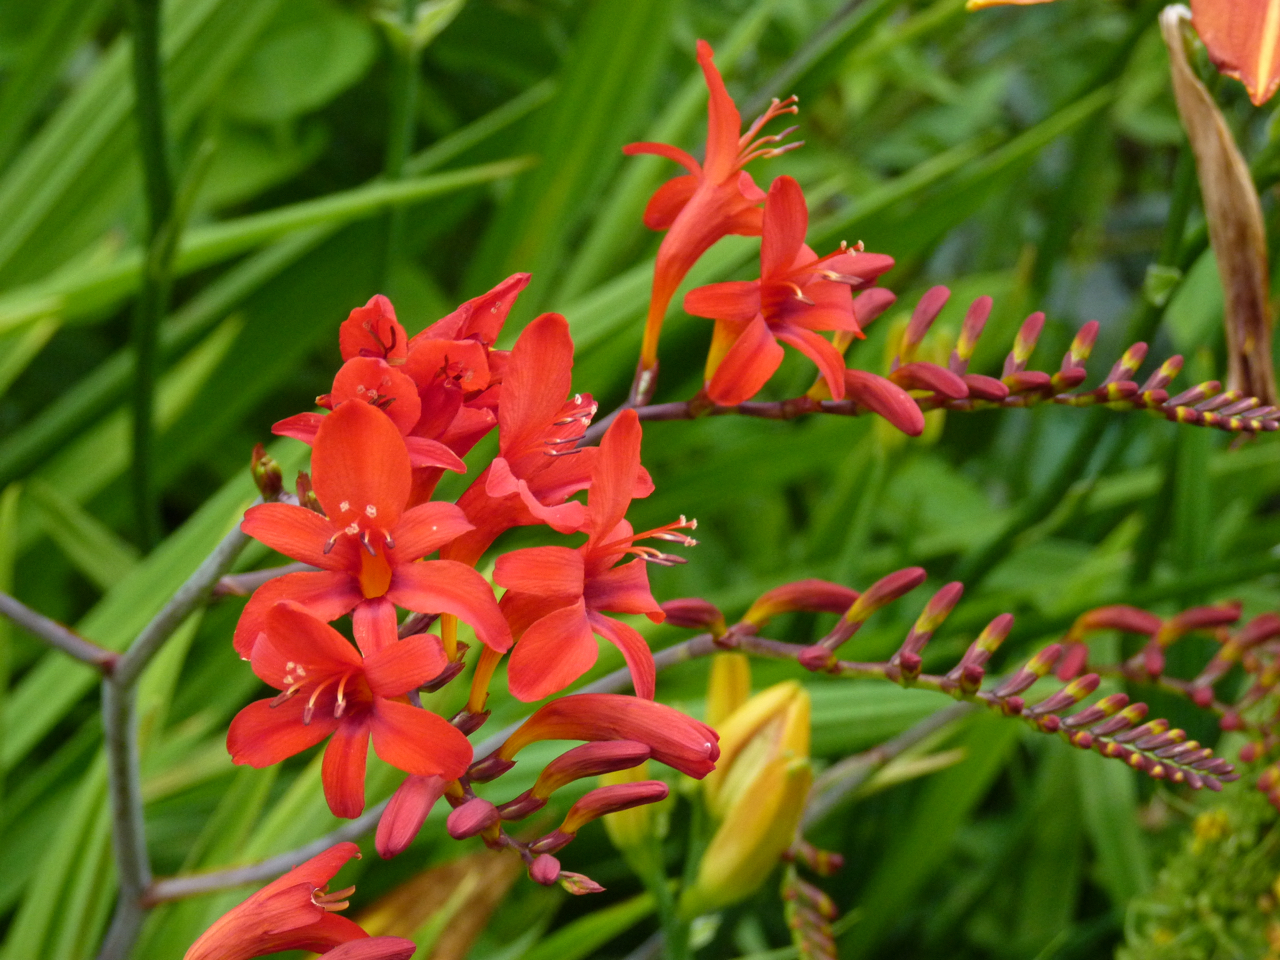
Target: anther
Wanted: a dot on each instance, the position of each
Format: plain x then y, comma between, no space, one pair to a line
364,539
330,543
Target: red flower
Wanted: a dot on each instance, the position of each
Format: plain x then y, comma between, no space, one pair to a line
367,545
295,912
328,688
797,294
556,596
538,466
675,739
712,200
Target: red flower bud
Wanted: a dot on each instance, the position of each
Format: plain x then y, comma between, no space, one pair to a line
815,596
475,816
589,760
545,869
885,398
694,613
405,814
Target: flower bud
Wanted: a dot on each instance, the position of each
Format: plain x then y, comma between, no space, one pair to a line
475,816
756,831
694,613
635,826
729,686
266,474
405,814
774,723
545,869
589,760
579,884
815,596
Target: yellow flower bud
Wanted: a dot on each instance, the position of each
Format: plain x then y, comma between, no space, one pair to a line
729,686
772,724
757,830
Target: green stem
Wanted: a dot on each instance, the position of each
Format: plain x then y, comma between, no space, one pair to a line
404,105
648,863
153,297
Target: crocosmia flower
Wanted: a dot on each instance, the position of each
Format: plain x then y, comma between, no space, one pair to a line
798,293
296,912
714,199
557,597
366,543
328,689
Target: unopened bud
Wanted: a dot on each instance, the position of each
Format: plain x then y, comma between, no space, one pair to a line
1198,618
579,884
694,613
612,799
814,596
307,496
266,474
922,318
589,760
1118,616
636,826
545,870
405,814
774,723
475,816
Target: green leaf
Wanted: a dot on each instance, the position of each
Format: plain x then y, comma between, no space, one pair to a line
94,548
587,934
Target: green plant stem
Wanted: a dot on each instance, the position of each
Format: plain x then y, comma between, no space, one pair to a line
404,105
648,864
153,297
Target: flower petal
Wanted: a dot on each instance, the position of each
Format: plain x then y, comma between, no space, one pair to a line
373,331
635,650
262,735
359,463
561,517
294,635
724,123
374,625
342,770
669,199
821,351
325,594
786,220
371,380
446,586
747,366
464,362
425,529
301,426
398,668
617,466
624,589
551,572
481,317
374,948
418,741
554,652
1243,40
735,300
538,378
296,532
663,150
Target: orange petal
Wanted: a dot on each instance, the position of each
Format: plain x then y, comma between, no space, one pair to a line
359,464
1243,40
418,741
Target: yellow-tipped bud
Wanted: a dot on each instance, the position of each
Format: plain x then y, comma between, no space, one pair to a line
773,724
729,686
629,829
757,829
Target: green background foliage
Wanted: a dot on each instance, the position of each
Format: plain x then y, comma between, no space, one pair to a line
1022,153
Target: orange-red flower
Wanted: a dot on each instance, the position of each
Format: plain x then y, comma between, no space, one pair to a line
296,912
327,688
714,199
557,597
538,466
367,544
798,293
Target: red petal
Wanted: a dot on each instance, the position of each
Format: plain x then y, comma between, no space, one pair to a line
294,635
551,572
419,741
869,304
374,624
406,813
623,589
317,871
373,331
1243,40
724,123
885,398
538,379
735,300
669,199
821,351
342,770
374,948
446,586
372,381
398,668
786,220
326,595
554,652
481,317
465,362
359,460
522,609
262,735
634,650
747,366
562,517
296,532
301,426
617,466
663,150
425,529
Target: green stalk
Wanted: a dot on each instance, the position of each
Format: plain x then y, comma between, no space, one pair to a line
647,863
153,297
404,105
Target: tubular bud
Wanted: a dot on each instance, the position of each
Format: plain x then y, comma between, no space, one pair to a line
266,474
974,320
636,826
815,596
1023,344
589,760
406,813
922,318
772,724
883,592
475,816
612,799
1115,617
694,613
